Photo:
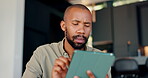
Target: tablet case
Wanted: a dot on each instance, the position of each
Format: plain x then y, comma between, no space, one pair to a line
99,63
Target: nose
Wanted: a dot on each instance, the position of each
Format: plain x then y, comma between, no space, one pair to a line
81,29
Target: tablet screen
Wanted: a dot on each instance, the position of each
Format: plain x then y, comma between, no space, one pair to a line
99,63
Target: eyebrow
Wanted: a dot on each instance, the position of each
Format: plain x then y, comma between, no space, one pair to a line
79,21
75,20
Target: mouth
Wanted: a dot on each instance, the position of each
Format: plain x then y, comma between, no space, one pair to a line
79,40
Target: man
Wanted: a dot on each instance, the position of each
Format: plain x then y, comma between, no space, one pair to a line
52,60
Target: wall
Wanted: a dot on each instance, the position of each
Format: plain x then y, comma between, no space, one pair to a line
102,25
42,25
11,38
125,26
142,18
125,31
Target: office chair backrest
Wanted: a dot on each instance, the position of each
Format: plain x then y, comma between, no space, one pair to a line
126,65
126,68
146,64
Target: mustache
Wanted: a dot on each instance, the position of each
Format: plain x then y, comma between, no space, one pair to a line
76,36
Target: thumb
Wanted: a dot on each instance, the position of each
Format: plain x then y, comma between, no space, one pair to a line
90,74
76,77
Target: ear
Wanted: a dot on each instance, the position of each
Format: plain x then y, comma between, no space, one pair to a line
62,24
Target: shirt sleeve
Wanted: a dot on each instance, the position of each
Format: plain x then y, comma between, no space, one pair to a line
33,67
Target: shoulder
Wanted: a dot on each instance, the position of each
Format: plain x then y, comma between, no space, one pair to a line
51,45
42,49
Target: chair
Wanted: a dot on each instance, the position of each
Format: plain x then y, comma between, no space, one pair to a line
146,63
126,68
145,71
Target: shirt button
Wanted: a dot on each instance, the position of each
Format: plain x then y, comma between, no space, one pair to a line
65,54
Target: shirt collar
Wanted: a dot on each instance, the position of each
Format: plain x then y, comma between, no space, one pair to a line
61,46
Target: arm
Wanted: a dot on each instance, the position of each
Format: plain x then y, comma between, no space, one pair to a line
33,69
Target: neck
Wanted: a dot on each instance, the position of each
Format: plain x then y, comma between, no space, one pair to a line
68,48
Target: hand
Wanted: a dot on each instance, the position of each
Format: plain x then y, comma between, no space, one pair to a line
90,74
60,67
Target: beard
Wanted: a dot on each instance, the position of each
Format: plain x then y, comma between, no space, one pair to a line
76,45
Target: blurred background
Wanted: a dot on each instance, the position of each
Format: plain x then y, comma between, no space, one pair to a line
119,27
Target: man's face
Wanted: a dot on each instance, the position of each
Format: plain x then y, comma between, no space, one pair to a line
78,27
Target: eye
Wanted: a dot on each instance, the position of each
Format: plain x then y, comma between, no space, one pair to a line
75,23
87,25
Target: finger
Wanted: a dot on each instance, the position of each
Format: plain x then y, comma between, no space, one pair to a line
69,59
90,74
76,77
57,69
107,76
60,63
65,60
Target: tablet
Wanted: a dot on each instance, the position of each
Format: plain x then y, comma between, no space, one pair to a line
99,63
